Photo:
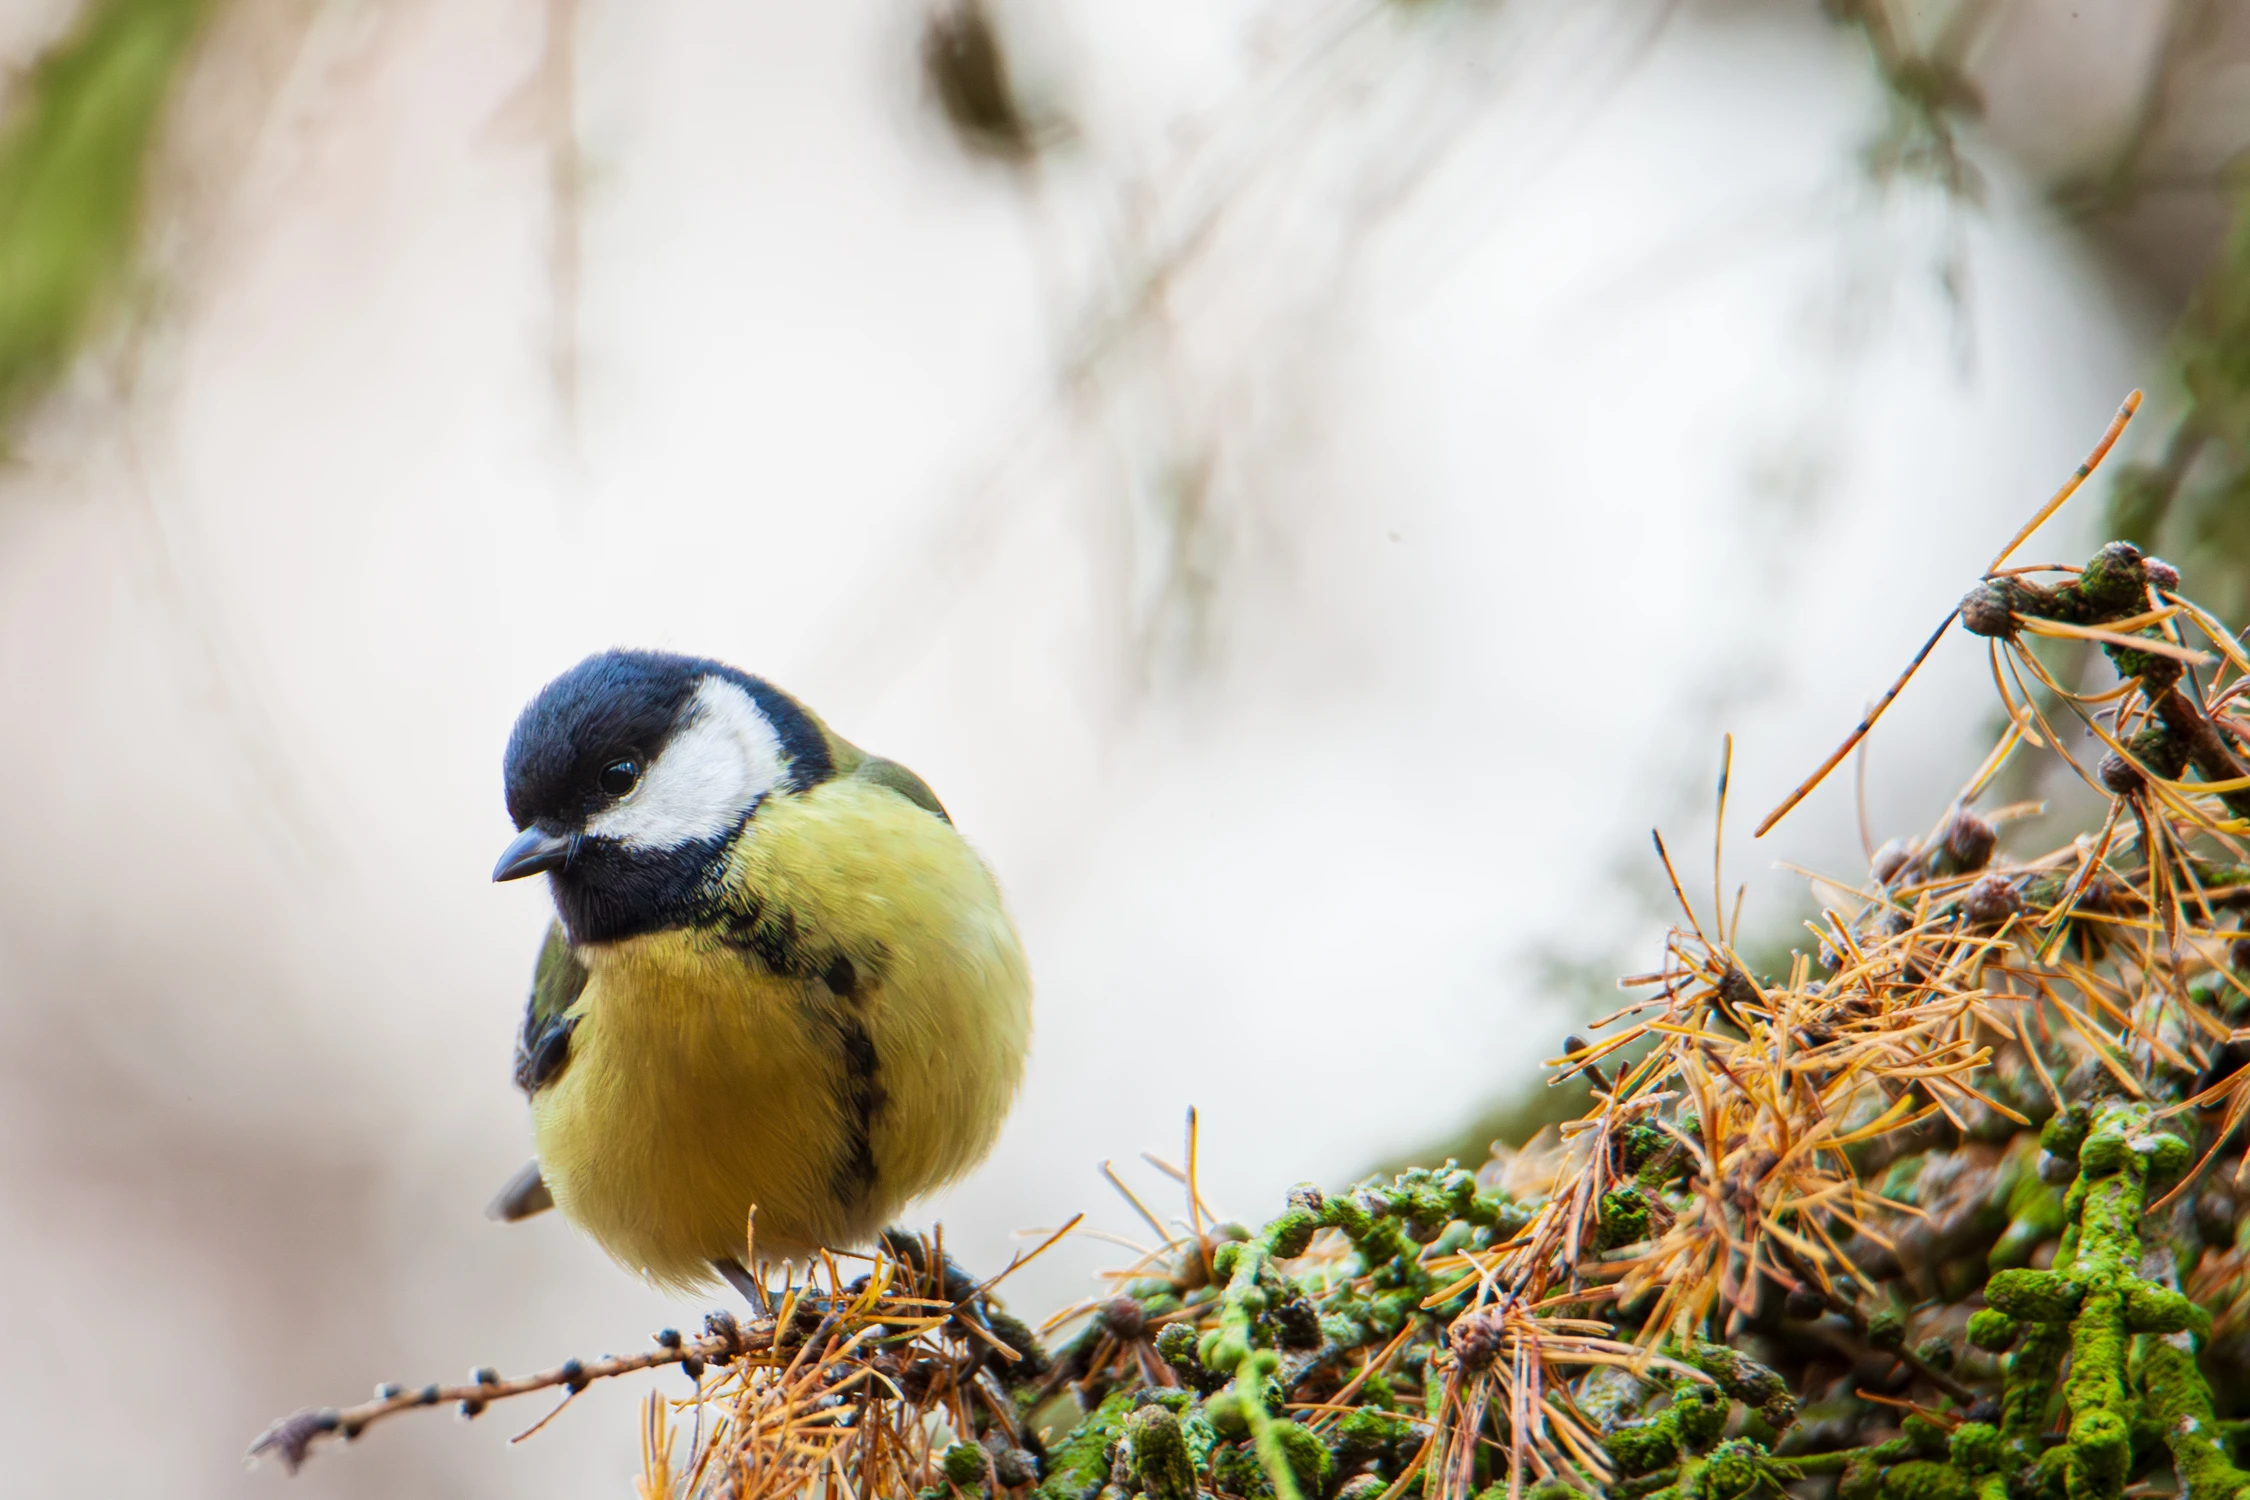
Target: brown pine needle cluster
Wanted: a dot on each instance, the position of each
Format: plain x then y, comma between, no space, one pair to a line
878,1371
849,1380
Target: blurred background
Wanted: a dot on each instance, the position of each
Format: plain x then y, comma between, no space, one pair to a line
1309,483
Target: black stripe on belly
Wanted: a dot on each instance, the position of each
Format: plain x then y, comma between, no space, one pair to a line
769,935
863,1096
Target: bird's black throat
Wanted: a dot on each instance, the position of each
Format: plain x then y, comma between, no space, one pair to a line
611,890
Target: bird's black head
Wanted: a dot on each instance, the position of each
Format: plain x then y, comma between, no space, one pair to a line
631,774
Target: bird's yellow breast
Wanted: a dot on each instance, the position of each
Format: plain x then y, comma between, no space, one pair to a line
735,1064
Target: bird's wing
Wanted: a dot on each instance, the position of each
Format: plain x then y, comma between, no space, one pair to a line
543,1049
889,773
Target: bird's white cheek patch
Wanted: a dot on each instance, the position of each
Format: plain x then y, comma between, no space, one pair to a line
714,771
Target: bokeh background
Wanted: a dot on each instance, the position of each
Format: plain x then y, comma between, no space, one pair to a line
1310,483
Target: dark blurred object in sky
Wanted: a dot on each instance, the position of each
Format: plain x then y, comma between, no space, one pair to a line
966,65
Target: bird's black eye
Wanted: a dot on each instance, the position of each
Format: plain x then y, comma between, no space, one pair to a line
620,776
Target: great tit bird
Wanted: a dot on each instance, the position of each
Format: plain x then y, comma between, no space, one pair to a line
778,977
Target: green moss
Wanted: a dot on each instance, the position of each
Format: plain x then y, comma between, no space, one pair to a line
2065,1131
1637,1144
1306,1456
1235,1470
1227,1416
1922,1437
1287,1236
2028,1391
1080,1463
2034,1296
1739,1469
2099,1454
1642,1447
1699,1415
2114,583
1366,1437
1624,1218
1158,1454
1924,1479
1976,1448
1244,1266
1990,1328
2181,1404
1175,1342
2168,1157
1743,1379
1887,1330
2157,1309
964,1466
2107,1204
2105,1151
1862,1479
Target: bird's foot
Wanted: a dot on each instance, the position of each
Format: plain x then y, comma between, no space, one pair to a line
748,1282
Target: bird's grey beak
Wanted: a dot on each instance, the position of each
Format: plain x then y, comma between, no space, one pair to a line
533,851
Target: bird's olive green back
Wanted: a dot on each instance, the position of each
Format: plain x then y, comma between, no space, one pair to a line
856,763
913,788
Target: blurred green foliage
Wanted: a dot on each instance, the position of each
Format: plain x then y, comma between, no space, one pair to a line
2192,503
74,147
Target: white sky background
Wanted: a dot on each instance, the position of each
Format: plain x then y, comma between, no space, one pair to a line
1563,395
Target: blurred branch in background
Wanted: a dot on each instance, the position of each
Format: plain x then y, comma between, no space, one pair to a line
2193,501
74,146
1922,68
553,91
2156,186
2185,146
1197,277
